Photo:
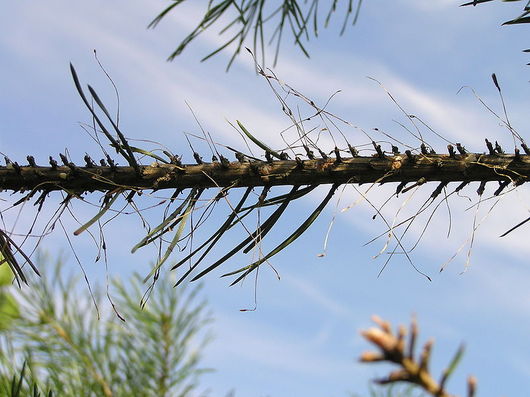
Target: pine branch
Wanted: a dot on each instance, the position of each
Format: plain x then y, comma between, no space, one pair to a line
468,167
393,348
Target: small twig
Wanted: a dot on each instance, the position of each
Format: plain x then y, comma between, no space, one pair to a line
394,349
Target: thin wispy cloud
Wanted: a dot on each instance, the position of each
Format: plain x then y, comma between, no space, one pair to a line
263,345
318,297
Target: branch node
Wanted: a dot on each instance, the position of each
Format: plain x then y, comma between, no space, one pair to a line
410,156
461,186
263,194
378,149
67,163
89,162
517,155
225,163
197,158
498,148
338,159
502,186
354,152
461,149
490,147
53,163
176,160
438,189
299,163
400,187
111,162
31,161
309,153
481,188
240,157
451,150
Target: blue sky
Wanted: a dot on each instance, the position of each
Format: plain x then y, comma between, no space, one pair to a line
303,339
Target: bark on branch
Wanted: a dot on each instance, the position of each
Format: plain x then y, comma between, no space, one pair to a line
397,168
